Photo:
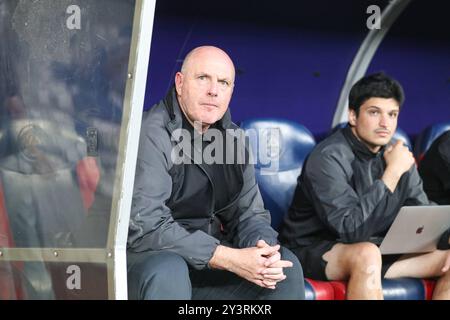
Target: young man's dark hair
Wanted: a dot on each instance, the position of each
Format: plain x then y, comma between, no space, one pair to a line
377,85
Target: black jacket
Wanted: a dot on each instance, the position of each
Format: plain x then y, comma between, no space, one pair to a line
340,195
173,205
435,170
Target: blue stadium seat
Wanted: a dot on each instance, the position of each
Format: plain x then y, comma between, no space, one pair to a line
401,135
403,289
426,138
279,148
394,289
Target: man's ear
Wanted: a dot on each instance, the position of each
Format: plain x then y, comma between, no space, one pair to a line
352,117
179,82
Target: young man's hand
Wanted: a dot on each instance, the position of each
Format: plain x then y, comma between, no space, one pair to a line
398,161
399,157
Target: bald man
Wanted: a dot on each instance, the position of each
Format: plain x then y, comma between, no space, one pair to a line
198,227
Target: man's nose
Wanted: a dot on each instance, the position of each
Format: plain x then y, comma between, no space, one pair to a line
383,121
212,89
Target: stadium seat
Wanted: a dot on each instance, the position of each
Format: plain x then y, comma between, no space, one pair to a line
394,289
426,137
318,290
278,161
401,135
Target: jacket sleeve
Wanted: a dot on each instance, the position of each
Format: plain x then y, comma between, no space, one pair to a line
444,158
152,226
444,152
352,217
416,194
254,220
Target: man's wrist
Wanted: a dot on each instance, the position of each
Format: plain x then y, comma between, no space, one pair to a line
393,172
391,177
220,258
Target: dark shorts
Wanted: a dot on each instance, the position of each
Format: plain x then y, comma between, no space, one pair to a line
311,258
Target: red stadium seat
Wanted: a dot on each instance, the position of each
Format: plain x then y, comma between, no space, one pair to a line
318,290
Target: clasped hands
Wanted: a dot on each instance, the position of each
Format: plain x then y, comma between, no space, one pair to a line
261,264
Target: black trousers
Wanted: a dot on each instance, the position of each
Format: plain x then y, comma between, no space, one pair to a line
163,275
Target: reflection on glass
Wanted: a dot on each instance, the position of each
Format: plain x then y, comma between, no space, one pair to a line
61,100
51,280
61,104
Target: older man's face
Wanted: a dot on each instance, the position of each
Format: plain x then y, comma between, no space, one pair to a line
205,86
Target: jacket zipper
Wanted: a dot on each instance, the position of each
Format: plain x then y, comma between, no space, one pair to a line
211,210
212,213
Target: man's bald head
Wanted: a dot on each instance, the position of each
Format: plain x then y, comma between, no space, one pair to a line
206,51
205,85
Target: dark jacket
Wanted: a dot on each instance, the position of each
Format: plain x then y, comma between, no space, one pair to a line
435,170
168,214
340,195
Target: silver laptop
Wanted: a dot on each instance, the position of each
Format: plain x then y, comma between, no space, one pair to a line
416,229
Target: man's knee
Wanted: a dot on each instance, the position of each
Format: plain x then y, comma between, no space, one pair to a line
294,276
159,275
365,255
296,269
344,260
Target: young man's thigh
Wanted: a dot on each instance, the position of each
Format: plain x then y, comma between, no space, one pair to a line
426,265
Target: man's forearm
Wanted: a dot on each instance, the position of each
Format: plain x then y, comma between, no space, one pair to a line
221,258
391,178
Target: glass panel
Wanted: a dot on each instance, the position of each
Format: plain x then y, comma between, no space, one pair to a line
63,71
39,280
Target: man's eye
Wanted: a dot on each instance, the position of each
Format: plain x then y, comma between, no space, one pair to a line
202,77
373,112
224,83
393,115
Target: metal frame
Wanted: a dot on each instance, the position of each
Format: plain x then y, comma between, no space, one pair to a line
114,255
365,55
129,143
54,255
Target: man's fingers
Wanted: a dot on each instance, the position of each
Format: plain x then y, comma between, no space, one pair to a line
263,285
276,277
268,251
259,283
272,259
272,271
282,264
269,283
261,244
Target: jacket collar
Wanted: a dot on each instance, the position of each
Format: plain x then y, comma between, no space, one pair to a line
358,147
